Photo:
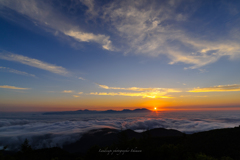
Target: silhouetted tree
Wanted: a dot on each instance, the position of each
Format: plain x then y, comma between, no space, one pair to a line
25,147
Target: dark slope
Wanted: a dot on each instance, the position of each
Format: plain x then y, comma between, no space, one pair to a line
101,137
216,143
219,144
162,132
106,137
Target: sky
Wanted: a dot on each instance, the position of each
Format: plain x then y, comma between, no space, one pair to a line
88,54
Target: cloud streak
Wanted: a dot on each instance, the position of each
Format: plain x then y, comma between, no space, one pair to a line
33,63
88,37
219,88
139,89
13,87
81,78
67,91
6,69
141,94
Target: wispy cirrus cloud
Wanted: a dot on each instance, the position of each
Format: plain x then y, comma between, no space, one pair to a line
67,91
184,96
33,63
88,37
6,69
81,78
140,89
153,28
43,14
219,88
159,28
13,87
76,96
119,88
141,94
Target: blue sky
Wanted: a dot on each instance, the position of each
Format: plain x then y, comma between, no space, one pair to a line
66,55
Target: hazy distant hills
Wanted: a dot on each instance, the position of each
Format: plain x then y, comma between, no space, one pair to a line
86,111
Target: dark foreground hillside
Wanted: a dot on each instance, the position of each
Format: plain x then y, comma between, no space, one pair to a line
160,143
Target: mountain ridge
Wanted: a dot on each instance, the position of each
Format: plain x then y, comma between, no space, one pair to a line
107,136
86,111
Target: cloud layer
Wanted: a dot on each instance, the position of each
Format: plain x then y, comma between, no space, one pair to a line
55,131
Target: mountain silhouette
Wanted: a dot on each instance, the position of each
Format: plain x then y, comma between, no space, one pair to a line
86,111
107,136
159,143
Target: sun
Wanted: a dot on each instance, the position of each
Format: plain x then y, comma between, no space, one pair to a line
155,108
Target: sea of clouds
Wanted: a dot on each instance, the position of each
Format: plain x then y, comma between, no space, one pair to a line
43,133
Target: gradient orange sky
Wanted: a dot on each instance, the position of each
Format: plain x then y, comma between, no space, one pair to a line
179,101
